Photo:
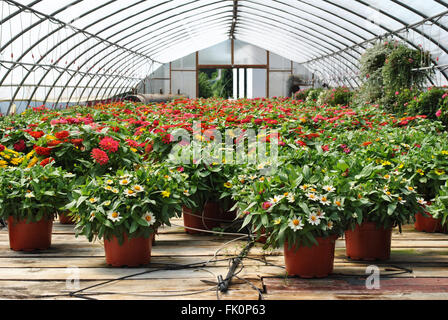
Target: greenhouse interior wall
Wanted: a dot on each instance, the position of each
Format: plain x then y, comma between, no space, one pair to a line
267,72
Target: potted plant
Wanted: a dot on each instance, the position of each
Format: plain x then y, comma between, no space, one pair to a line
126,210
380,198
29,200
439,208
299,209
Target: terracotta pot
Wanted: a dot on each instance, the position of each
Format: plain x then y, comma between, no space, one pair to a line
367,242
311,262
207,220
228,216
262,239
132,253
65,219
31,236
426,223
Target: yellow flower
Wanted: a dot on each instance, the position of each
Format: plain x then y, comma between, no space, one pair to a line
445,153
33,162
439,172
421,172
228,185
50,137
16,161
30,155
3,164
166,194
134,150
278,221
401,166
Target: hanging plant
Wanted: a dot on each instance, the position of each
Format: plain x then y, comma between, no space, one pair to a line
399,69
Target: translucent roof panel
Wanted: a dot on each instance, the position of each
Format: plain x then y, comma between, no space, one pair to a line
77,50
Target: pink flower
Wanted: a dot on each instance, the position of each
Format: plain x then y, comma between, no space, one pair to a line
109,144
439,113
100,156
397,93
267,205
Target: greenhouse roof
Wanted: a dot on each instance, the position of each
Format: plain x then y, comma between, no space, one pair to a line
57,50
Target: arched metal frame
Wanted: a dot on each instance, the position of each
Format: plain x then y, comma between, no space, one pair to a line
325,33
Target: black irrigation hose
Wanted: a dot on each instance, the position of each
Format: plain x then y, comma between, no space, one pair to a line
224,284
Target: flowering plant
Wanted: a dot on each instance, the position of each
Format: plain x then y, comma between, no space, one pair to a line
296,205
135,202
33,193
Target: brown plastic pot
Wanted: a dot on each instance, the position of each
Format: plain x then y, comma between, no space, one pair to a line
207,220
29,236
311,262
65,219
367,242
132,253
426,223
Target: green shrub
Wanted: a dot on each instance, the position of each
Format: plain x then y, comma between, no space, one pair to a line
430,102
314,94
336,96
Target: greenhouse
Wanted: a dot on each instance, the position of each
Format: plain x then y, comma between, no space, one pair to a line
223,150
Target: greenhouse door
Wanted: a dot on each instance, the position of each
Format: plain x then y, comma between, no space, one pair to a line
249,83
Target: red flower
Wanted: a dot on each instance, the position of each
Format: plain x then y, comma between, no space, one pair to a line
46,162
149,148
368,143
53,143
36,134
20,146
2,148
62,135
167,139
100,156
325,148
77,142
109,144
132,143
42,151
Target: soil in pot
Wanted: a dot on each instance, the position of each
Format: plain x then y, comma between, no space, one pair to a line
367,242
132,253
207,220
316,261
32,236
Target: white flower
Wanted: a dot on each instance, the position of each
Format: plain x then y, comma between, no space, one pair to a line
114,216
312,196
329,189
411,189
30,195
276,199
355,215
313,219
324,200
330,225
304,187
320,213
69,175
115,190
422,201
130,193
186,193
149,218
107,203
291,198
109,182
138,188
339,204
296,224
93,200
401,200
125,182
92,216
253,177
